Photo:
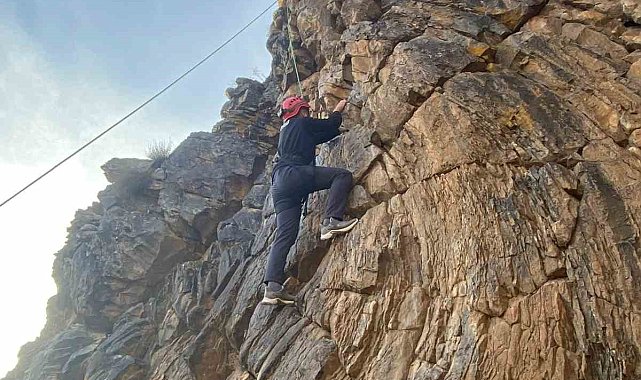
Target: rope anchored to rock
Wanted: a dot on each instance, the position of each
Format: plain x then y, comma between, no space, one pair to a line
291,49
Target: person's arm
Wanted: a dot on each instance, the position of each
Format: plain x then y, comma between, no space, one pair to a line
324,130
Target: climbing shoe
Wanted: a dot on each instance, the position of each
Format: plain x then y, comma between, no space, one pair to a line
332,227
277,296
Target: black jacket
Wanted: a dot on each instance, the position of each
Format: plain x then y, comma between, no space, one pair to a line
298,139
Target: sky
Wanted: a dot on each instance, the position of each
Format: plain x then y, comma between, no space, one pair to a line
68,70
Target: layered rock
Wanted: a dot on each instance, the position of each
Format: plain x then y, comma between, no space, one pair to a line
496,152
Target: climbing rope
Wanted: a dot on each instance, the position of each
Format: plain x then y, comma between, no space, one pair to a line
291,50
300,93
143,104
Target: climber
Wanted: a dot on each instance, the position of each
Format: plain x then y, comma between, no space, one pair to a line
294,177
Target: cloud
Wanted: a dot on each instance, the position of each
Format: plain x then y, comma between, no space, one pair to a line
46,112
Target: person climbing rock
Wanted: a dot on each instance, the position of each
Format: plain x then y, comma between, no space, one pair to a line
295,176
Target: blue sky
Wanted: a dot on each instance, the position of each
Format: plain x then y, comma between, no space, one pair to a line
68,70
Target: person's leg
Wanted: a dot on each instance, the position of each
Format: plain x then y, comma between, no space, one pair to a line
339,183
287,223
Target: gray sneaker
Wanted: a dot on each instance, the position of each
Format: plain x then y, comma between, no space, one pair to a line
277,297
332,227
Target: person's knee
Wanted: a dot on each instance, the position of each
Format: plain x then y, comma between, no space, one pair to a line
290,239
347,177
286,236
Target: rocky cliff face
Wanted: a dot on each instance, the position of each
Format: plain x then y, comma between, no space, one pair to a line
496,151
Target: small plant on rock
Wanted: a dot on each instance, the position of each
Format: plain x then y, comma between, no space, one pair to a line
158,150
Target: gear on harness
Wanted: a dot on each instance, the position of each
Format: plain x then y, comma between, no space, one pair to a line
304,204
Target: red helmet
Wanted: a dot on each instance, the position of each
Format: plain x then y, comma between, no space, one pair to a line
292,106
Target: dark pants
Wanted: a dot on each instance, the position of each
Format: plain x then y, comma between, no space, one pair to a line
290,186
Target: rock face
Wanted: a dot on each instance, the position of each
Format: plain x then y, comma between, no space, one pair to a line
496,152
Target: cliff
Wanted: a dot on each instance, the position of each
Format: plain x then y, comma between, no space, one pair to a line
496,150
